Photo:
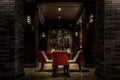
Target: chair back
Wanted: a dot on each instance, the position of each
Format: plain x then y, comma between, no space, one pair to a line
60,58
41,57
78,57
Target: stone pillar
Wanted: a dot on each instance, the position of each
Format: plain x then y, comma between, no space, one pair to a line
11,38
107,38
99,35
36,36
31,35
84,36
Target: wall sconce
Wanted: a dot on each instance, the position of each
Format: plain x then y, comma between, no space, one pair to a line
91,18
59,17
59,9
43,34
76,34
29,19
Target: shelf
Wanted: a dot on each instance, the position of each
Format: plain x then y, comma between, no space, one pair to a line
59,40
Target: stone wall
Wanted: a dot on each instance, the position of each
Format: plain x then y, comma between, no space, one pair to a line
108,42
19,36
11,27
99,36
111,38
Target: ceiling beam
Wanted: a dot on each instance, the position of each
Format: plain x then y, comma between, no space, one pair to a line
79,13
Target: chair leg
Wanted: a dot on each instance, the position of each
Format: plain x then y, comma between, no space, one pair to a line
79,65
66,70
54,70
56,67
42,66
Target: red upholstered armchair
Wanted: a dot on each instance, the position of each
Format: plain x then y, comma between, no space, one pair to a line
43,58
77,59
40,57
49,54
60,58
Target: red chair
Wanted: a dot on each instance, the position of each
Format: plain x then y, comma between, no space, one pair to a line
60,58
77,59
43,59
49,54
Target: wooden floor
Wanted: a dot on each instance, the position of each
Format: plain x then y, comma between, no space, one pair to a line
36,74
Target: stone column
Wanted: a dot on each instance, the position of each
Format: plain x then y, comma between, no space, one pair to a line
11,38
36,36
107,38
84,36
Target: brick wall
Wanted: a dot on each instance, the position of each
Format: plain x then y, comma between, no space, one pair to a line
99,35
10,38
111,38
110,24
19,37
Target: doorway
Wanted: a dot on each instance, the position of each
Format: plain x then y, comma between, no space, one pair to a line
84,24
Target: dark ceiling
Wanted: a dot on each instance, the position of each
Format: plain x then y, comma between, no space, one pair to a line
68,11
69,14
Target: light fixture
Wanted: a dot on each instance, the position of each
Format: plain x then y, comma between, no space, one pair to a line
43,34
59,31
76,34
65,31
59,9
29,19
54,31
91,18
59,17
80,21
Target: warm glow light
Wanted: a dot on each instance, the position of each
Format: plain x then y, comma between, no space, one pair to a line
54,31
91,18
28,19
76,34
43,34
59,9
59,31
80,21
59,17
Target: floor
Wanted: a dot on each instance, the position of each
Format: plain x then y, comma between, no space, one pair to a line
36,74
